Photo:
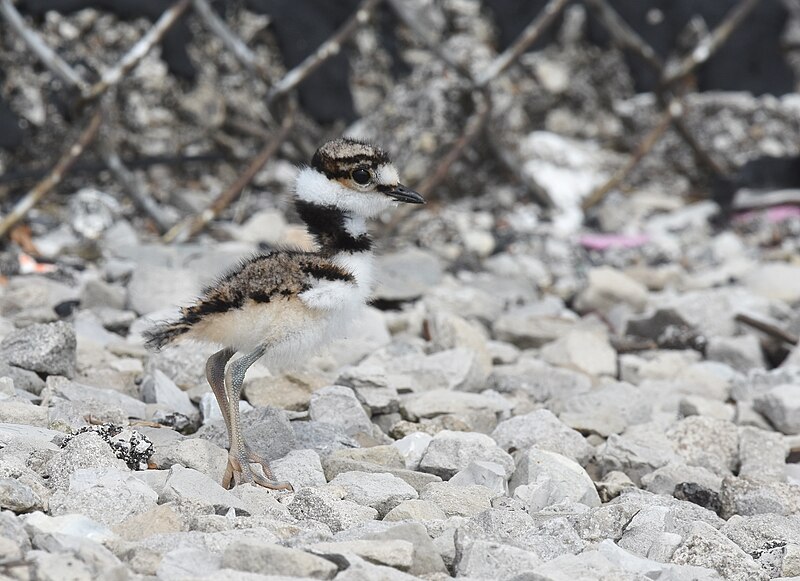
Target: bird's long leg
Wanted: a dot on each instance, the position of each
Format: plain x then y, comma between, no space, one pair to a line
215,373
239,455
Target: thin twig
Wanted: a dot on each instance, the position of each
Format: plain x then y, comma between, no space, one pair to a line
39,47
624,35
138,51
709,45
471,130
768,327
55,176
627,38
231,41
644,147
140,197
187,228
326,50
528,36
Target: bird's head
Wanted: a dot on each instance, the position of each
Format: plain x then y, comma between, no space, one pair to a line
355,177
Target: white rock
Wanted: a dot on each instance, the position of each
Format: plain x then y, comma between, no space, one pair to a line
451,451
338,405
488,474
584,351
300,468
412,448
545,478
380,491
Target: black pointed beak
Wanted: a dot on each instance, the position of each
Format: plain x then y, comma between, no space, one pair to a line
404,194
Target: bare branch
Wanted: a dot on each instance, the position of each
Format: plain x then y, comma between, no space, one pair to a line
138,51
624,35
39,47
646,145
55,176
768,327
326,50
231,41
140,197
709,45
526,38
187,228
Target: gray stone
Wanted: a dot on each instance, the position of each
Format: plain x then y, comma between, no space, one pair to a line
52,567
266,430
696,405
664,479
756,533
608,521
480,411
545,478
582,350
268,559
605,410
417,480
488,560
196,453
361,570
20,412
750,497
378,400
300,468
327,506
742,353
653,568
706,547
775,280
184,363
188,485
612,485
407,274
639,451
588,565
548,537
380,491
289,391
759,381
98,293
538,380
426,559
18,497
48,348
456,500
152,288
545,431
86,450
706,442
158,388
416,510
412,448
338,405
156,520
322,438
487,474
68,524
390,553
762,455
781,406
607,288
104,494
534,325
448,331
60,387
386,455
450,452
188,563
23,379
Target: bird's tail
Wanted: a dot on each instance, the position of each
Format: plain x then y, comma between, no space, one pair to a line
159,336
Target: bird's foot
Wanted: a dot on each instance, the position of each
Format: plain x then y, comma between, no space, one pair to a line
239,471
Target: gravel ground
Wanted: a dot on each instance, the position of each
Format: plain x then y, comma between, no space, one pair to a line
537,410
532,396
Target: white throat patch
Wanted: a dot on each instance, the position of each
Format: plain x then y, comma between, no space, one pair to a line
314,187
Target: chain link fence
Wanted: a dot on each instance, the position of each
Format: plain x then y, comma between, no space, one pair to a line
102,109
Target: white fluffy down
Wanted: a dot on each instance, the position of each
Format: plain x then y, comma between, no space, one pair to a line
314,187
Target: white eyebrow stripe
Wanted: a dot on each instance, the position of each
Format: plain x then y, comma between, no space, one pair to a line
386,174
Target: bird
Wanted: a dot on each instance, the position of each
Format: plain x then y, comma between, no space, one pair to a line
285,305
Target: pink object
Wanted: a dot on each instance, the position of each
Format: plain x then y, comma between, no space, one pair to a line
781,213
606,241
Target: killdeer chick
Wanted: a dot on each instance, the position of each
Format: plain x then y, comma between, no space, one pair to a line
285,305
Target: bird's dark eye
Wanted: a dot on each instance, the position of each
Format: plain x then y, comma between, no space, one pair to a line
361,176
